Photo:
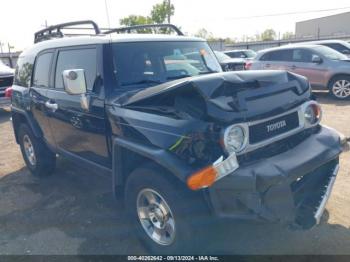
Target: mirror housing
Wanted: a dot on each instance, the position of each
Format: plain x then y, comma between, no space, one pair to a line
346,52
74,81
316,59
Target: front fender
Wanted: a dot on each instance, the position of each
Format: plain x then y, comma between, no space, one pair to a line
165,159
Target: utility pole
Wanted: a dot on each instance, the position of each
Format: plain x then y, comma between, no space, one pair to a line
10,55
169,11
1,45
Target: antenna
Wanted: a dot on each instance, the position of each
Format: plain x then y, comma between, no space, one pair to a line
107,13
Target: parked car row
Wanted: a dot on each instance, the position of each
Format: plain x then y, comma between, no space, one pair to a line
326,64
6,79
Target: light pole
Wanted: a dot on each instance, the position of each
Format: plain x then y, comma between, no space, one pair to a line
169,11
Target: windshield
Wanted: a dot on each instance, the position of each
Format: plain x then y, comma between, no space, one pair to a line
330,53
152,63
221,56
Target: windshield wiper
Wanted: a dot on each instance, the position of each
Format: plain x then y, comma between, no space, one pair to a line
144,81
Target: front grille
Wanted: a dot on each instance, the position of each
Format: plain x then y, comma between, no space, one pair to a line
308,192
272,128
276,148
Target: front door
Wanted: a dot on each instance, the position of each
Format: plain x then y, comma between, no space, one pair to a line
302,64
78,123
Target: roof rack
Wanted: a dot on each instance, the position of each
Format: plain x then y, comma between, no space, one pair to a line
128,29
55,30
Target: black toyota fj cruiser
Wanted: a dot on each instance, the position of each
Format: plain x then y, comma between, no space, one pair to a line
181,139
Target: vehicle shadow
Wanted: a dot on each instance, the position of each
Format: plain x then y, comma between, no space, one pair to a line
73,212
326,98
5,116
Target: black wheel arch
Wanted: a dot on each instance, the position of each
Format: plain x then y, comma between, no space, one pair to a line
128,155
22,117
336,76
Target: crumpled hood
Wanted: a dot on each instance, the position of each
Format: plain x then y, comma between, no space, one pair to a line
245,92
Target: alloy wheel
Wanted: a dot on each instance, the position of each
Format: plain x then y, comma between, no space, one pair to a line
156,217
341,89
29,150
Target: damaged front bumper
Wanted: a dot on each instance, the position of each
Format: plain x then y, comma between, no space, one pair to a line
291,188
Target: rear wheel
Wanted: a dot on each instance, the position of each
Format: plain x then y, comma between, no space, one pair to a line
163,213
38,158
340,87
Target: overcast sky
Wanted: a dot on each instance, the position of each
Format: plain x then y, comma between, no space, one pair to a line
19,19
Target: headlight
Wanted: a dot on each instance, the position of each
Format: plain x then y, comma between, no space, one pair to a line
312,114
235,139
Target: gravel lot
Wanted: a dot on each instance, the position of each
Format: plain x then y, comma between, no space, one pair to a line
73,212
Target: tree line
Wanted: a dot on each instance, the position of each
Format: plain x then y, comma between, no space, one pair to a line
162,13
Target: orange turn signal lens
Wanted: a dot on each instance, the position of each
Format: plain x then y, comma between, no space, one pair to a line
203,178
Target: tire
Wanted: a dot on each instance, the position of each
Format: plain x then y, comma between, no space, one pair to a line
184,210
39,159
339,87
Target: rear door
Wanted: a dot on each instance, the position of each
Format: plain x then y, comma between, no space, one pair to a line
276,60
78,123
38,93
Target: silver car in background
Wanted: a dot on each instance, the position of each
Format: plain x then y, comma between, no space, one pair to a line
338,45
325,68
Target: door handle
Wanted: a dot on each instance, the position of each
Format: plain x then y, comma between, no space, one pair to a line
267,66
293,67
52,106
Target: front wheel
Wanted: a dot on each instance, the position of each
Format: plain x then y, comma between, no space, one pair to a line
163,212
340,87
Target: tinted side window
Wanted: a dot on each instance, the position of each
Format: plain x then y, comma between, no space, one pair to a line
279,55
77,59
24,70
41,70
302,55
340,48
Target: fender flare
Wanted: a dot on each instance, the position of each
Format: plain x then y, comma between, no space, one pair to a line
29,119
170,162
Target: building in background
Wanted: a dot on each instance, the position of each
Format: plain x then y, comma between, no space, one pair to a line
334,25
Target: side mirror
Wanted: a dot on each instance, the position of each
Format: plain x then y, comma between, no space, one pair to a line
74,81
346,52
316,59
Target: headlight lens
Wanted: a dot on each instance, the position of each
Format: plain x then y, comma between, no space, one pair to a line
312,114
235,139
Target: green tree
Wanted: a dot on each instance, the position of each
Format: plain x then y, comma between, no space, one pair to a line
288,35
135,20
204,33
268,35
162,12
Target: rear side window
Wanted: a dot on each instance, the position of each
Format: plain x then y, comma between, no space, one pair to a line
340,48
42,70
279,55
24,70
77,59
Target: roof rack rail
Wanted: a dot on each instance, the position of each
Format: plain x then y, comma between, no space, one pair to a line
54,31
128,29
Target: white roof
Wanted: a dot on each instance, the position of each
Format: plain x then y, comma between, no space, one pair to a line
103,39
